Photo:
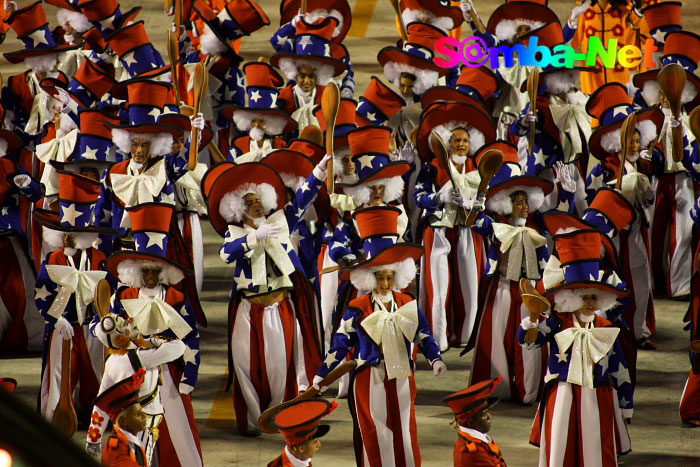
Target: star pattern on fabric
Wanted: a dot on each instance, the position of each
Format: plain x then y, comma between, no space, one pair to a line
281,41
242,280
562,356
155,239
255,96
620,110
189,355
658,35
39,37
621,375
304,42
41,293
89,153
129,59
539,157
273,102
365,161
372,116
70,214
154,113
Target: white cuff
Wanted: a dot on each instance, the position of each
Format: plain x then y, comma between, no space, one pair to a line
251,240
572,23
627,413
317,380
320,174
527,324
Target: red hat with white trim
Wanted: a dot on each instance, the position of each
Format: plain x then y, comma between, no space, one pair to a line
339,9
470,401
120,396
299,422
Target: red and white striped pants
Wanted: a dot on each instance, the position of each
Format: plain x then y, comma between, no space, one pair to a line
384,416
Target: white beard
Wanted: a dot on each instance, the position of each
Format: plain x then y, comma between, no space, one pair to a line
633,157
383,298
257,221
257,134
459,160
586,318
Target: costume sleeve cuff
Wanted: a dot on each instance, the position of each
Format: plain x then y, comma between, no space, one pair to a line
251,240
527,324
627,413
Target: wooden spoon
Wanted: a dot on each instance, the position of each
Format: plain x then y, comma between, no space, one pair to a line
313,134
330,101
64,417
671,80
199,82
399,18
489,164
533,79
173,56
694,122
626,134
266,418
536,303
440,151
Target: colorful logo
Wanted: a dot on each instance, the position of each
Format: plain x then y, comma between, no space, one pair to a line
474,52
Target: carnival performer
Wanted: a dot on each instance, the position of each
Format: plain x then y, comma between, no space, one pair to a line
474,447
380,327
455,258
273,324
587,372
299,424
610,105
65,291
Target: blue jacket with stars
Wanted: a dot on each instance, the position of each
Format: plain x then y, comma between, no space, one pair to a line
611,369
234,250
10,218
351,336
308,235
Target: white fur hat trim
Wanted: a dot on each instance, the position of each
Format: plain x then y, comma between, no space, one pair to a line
232,206
404,272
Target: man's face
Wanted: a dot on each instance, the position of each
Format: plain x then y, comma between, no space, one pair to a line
178,144
90,172
459,142
150,277
69,240
406,86
385,281
307,449
140,149
376,195
306,77
522,30
133,419
481,421
590,304
521,208
348,165
253,205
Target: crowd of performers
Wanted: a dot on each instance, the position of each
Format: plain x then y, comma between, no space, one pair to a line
102,180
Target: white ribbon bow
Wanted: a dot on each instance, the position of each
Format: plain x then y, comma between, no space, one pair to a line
588,346
153,315
41,112
189,185
304,115
256,153
467,185
58,149
553,273
72,281
569,118
388,330
142,188
269,247
344,203
523,240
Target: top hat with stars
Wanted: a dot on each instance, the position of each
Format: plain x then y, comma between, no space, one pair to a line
369,146
144,108
509,177
435,9
611,105
470,401
417,51
262,93
150,226
378,227
134,49
378,104
32,29
339,9
345,121
237,19
106,14
475,86
120,396
87,86
662,18
299,421
77,197
311,44
518,10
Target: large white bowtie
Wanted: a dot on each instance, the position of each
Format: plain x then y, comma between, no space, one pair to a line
72,281
588,346
520,241
153,316
569,118
141,188
388,330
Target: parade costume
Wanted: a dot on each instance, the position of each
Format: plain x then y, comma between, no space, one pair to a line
383,390
274,327
65,291
517,250
473,447
299,423
455,255
610,105
587,386
671,229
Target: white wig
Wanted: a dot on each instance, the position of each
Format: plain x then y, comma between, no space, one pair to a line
569,300
292,181
562,81
232,206
54,238
129,272
161,143
393,190
404,273
501,202
313,16
476,137
324,71
444,23
274,124
650,92
338,156
211,45
42,63
3,147
611,143
77,20
506,28
425,79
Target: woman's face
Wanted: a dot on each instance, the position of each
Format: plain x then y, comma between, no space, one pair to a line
521,208
376,195
306,77
459,142
635,145
385,281
590,304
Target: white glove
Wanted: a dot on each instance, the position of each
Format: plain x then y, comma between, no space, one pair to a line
530,117
476,204
94,449
527,324
439,368
579,9
408,152
347,93
198,121
321,169
643,185
467,7
266,231
22,180
315,385
644,154
450,197
565,176
296,19
185,388
156,341
674,122
64,328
